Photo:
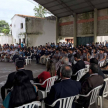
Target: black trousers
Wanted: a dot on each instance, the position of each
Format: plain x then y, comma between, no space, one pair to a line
37,58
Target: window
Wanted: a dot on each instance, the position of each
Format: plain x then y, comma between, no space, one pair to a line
23,40
21,25
19,41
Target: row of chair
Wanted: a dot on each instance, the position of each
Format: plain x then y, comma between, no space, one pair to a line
68,101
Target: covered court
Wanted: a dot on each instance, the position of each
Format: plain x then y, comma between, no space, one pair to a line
84,21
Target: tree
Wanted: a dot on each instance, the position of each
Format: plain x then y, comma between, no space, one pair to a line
4,27
40,11
5,31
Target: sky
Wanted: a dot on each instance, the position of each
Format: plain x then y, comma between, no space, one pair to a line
8,8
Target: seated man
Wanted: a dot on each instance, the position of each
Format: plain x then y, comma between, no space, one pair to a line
78,66
47,54
90,83
65,88
10,80
62,62
95,61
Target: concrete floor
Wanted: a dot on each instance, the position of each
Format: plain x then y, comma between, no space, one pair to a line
6,68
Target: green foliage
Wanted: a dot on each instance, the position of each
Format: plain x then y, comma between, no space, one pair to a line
4,25
5,31
40,11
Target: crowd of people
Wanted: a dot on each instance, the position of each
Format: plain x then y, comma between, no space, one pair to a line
62,60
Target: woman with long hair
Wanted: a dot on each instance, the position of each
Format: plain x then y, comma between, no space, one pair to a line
50,72
23,92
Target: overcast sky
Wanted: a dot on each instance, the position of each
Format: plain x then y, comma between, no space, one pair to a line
8,8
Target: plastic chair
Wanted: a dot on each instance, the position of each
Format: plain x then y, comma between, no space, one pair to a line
50,83
101,64
29,59
31,105
94,94
105,92
64,102
87,66
80,73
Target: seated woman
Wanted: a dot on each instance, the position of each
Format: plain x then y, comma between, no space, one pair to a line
23,92
45,75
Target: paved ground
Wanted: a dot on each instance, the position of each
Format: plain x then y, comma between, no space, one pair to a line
6,68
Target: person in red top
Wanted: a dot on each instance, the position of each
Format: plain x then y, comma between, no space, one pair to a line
45,75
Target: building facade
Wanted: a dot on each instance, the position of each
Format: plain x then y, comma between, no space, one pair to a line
33,31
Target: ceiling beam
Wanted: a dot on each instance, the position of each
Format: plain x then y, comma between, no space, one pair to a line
89,3
67,7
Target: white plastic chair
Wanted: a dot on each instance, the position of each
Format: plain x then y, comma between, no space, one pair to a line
94,94
80,73
29,59
101,63
64,102
87,66
50,82
105,92
31,105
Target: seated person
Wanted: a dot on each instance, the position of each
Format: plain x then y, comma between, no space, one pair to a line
63,61
101,56
23,92
78,66
65,88
45,75
90,83
95,61
10,80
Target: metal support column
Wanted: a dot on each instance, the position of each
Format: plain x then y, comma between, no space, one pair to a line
75,30
95,25
57,29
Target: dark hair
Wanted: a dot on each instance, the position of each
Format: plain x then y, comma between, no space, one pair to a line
23,91
94,60
66,71
94,68
77,55
20,63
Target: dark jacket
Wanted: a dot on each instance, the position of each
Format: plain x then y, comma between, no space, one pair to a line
87,75
92,82
10,81
78,66
65,88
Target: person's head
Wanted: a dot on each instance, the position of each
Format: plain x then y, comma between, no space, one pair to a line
20,64
77,56
94,60
66,72
93,68
65,60
51,67
101,51
23,91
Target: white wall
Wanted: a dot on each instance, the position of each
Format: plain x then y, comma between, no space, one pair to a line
16,28
102,38
6,40
48,33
